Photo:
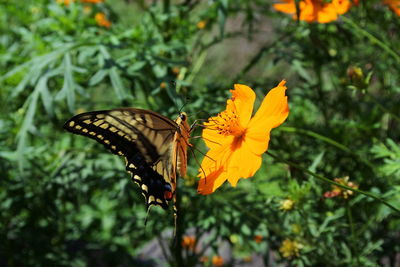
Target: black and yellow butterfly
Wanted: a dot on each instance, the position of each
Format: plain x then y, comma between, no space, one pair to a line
154,147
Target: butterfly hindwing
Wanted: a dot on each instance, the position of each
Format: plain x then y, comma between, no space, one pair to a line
143,137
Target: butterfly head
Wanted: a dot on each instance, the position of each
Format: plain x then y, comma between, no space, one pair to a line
182,121
183,116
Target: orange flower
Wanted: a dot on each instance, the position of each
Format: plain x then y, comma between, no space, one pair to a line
65,2
237,140
394,5
217,261
163,85
315,10
258,238
176,70
189,242
201,24
102,20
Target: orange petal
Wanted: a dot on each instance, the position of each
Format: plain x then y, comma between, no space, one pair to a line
273,110
213,180
257,140
215,158
341,6
243,163
243,99
288,6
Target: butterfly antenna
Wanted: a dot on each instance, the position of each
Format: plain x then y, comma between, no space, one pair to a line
184,104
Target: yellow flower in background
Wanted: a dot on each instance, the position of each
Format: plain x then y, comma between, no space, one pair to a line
315,10
394,5
102,20
287,205
176,70
341,192
217,261
236,139
201,24
87,9
290,248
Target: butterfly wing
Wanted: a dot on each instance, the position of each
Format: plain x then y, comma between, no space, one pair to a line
143,137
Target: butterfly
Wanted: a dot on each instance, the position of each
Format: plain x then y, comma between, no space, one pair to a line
154,147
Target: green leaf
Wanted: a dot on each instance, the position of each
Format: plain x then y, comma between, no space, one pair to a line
117,84
98,77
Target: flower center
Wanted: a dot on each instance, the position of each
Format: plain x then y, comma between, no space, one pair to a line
228,124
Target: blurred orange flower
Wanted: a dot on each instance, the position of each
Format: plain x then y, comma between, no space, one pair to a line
394,5
315,10
102,20
176,70
217,261
201,24
341,192
189,242
65,2
237,140
258,238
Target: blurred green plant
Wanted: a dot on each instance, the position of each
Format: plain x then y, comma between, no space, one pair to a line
66,201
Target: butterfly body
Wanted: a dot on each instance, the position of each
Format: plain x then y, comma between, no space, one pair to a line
154,146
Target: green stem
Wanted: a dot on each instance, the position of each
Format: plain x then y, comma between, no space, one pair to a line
322,178
371,38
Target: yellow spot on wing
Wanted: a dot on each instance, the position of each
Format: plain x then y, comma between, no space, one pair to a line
85,130
151,199
87,121
97,123
144,187
71,124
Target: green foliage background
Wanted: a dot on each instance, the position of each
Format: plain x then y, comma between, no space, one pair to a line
66,201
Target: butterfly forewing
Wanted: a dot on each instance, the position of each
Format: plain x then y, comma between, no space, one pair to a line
143,137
